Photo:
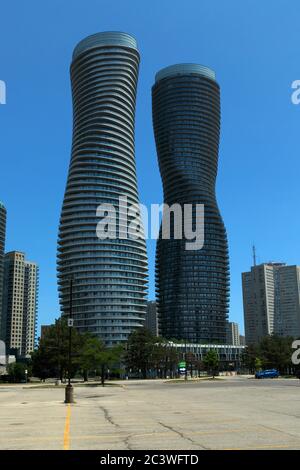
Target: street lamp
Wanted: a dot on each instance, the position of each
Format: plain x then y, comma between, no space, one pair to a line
185,357
69,391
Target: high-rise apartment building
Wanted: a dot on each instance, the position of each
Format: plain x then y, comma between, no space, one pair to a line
151,320
20,297
192,285
271,296
258,299
2,248
287,301
232,333
109,275
242,340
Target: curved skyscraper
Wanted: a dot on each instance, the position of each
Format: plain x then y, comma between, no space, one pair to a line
192,285
109,275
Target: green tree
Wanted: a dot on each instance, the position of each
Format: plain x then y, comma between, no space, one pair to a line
157,360
51,357
172,359
199,366
16,372
271,352
91,354
139,355
211,361
191,362
110,358
258,364
276,352
251,353
40,364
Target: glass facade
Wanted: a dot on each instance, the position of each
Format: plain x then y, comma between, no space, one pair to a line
192,286
109,276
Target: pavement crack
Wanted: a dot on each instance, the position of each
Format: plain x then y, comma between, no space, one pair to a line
183,436
127,443
279,431
108,418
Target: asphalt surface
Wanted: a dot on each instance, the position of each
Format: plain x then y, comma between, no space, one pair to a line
227,413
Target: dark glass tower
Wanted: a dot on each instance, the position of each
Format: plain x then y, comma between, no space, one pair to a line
192,286
2,248
109,276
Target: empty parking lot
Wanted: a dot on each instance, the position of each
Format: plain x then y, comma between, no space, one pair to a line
228,413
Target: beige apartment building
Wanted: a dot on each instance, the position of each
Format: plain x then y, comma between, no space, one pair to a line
20,295
232,333
271,297
287,301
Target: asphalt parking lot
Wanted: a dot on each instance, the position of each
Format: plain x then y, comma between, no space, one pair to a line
227,413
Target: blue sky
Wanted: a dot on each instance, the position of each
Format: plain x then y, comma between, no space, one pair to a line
254,48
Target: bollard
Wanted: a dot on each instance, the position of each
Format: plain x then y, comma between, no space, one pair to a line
69,394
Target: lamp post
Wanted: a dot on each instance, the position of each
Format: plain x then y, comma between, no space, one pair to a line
69,391
185,357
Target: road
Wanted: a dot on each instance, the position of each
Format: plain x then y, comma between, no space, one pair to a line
229,413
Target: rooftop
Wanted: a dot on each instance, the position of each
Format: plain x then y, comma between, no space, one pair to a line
106,38
185,69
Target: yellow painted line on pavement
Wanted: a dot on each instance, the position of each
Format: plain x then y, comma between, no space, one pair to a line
67,428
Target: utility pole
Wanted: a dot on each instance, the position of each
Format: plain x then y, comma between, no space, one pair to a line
185,357
69,393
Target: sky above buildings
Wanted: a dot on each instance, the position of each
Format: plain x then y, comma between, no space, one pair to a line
253,48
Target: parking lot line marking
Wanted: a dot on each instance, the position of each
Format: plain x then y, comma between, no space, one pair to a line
67,429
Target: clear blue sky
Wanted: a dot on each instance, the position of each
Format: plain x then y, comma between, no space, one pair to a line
254,48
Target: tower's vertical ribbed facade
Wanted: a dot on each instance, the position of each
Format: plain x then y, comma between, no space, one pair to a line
2,248
192,286
109,276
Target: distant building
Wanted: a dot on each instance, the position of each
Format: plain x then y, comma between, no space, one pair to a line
230,356
287,301
232,333
151,317
258,299
242,340
2,353
5,359
2,247
20,295
271,296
